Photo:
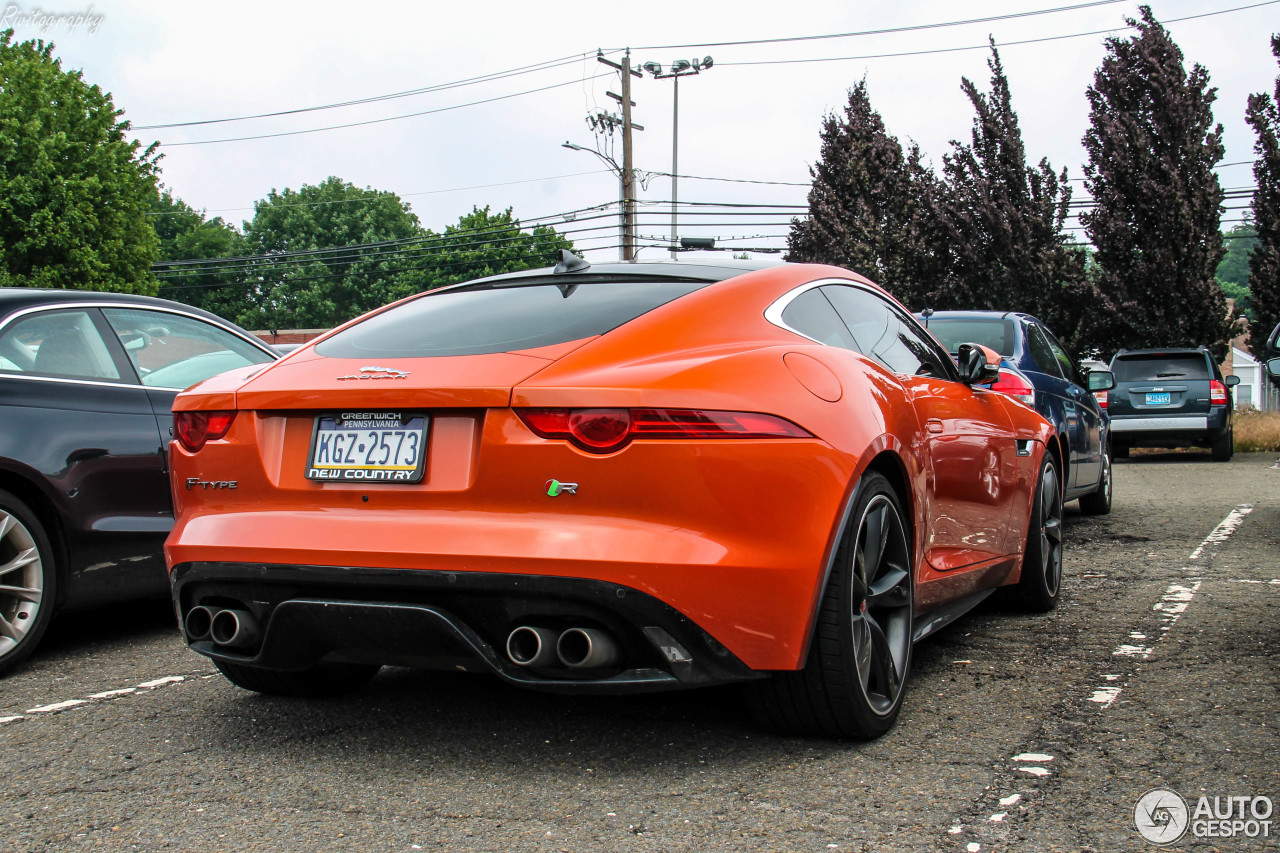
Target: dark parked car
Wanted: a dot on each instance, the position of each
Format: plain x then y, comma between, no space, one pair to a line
86,382
1171,398
1273,357
1037,370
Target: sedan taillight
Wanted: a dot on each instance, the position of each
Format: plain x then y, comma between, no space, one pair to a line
607,430
193,429
1015,385
1217,393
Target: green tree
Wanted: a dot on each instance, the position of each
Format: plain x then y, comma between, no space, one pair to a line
1152,148
1002,223
869,206
1264,263
327,253
185,235
483,244
74,191
1240,240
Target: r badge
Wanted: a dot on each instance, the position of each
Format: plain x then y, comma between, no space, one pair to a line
555,488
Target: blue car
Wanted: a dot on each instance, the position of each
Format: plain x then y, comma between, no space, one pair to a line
1037,370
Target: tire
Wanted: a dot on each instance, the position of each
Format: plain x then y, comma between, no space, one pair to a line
1224,446
320,681
855,676
28,581
1041,581
1099,502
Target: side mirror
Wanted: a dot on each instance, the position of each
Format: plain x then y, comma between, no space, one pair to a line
978,365
1273,342
1273,367
1232,381
1101,380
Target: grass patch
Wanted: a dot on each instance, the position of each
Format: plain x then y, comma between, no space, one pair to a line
1257,431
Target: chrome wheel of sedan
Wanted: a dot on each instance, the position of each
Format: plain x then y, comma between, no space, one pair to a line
26,581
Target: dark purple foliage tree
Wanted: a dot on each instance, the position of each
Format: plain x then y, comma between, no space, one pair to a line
1002,223
1264,263
1152,148
869,207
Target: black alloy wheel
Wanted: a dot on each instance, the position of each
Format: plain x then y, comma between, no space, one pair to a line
855,676
1099,502
1041,581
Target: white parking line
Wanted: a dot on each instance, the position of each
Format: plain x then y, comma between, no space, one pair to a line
96,698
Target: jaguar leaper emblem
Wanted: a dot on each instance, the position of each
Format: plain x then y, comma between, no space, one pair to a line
375,372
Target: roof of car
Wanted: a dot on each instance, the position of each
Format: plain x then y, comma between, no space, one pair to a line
17,298
696,269
1162,351
977,315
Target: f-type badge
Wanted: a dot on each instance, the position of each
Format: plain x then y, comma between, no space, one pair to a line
375,372
555,488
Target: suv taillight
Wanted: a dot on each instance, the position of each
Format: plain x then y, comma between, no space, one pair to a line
1217,393
1015,385
607,430
1101,397
193,429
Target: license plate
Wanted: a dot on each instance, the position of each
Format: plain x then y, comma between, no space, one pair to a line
363,446
1157,399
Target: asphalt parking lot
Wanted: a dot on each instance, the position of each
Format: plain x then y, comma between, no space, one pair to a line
1160,669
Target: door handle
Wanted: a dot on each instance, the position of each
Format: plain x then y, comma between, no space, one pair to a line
933,425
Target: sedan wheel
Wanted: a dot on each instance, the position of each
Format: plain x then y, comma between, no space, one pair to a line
1099,502
1041,580
27,581
854,680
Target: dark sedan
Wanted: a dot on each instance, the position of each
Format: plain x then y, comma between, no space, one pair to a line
86,384
1037,370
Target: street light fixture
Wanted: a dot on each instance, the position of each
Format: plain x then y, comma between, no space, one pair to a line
679,68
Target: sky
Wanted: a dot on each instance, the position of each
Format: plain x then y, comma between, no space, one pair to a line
751,120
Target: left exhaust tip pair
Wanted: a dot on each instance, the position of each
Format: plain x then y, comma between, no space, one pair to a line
228,627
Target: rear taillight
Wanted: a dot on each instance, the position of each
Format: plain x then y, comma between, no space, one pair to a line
193,429
1101,397
607,430
1217,393
1015,385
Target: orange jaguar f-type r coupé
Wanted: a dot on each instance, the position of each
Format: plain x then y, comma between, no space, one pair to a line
613,477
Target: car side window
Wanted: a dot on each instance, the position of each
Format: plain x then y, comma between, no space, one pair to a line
1041,352
174,351
812,315
56,343
1064,361
884,334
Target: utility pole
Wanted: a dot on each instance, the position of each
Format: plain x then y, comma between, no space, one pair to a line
628,165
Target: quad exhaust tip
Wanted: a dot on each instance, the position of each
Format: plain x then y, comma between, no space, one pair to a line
576,648
225,627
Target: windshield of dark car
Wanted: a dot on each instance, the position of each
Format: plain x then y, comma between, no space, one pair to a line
994,332
1140,368
492,319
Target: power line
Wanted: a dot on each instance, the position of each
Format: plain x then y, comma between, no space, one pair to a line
907,29
387,118
439,87
984,46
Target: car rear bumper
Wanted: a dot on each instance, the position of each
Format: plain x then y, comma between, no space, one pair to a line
303,615
1170,430
1166,424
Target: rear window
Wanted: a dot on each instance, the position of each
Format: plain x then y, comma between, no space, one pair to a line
1141,368
996,333
502,319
